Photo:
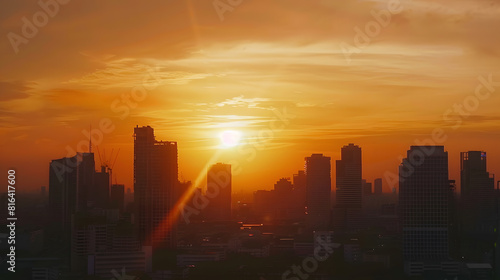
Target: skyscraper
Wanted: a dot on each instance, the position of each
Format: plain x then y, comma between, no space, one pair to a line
85,176
62,193
349,189
71,185
219,192
478,207
377,186
100,191
424,196
155,177
318,191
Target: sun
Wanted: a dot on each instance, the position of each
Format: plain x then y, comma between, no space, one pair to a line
230,138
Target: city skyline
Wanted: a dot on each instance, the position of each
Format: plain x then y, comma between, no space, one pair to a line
435,233
252,140
389,177
194,77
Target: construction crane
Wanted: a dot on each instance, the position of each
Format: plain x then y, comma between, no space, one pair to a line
108,164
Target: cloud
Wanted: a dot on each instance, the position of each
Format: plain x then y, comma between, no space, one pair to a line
14,90
129,73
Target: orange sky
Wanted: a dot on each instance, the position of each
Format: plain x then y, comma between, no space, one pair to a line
201,76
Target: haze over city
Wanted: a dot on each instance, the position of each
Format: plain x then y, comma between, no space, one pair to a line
212,75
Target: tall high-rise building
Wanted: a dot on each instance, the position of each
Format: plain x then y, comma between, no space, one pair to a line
155,179
424,197
71,182
349,189
100,191
75,188
286,205
219,192
478,208
318,191
299,188
85,182
377,185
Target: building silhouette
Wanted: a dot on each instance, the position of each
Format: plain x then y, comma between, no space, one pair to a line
155,179
377,185
367,188
75,190
117,197
219,192
99,195
299,184
318,191
478,203
348,212
424,197
71,186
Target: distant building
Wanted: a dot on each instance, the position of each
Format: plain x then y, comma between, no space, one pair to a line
218,192
348,212
478,208
377,184
89,235
98,242
424,196
264,205
299,190
283,203
155,179
285,206
100,191
367,188
318,191
70,183
111,264
324,243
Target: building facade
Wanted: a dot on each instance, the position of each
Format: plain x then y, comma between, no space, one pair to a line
155,179
318,191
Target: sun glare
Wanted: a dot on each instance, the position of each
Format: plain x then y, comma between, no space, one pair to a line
230,138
